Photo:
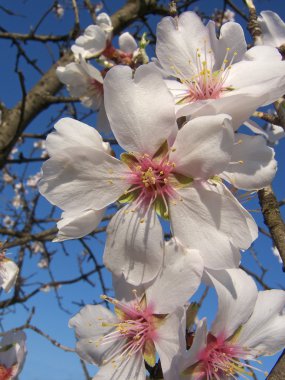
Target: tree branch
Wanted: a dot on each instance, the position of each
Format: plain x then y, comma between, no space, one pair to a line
272,218
278,370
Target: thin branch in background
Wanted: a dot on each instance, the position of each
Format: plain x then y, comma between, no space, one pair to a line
85,370
76,28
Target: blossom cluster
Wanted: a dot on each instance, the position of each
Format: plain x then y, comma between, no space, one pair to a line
177,119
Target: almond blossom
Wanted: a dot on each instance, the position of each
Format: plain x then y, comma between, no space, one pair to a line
175,174
96,42
12,354
85,82
8,273
145,321
248,324
273,28
215,74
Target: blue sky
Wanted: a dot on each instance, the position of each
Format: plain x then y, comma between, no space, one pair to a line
44,361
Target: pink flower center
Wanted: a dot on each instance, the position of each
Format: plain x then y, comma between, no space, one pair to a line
135,327
205,83
5,373
222,358
150,180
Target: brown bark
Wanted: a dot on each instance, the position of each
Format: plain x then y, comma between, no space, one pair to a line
278,371
272,218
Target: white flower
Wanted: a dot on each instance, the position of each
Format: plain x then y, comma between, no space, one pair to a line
86,82
144,324
7,178
58,10
17,201
175,174
229,15
8,221
249,324
83,81
220,16
43,263
8,273
33,180
12,354
217,75
273,28
95,38
37,247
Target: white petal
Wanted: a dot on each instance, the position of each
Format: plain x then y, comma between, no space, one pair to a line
93,41
103,124
252,230
131,369
231,37
264,332
135,111
248,73
178,41
211,223
237,294
177,89
76,225
71,133
191,357
104,21
74,76
91,71
273,28
203,146
127,43
170,341
261,53
8,273
83,179
88,325
125,291
182,267
254,166
134,248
